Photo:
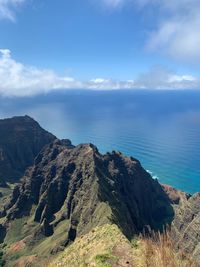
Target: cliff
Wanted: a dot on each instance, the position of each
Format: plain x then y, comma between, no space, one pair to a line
185,228
21,139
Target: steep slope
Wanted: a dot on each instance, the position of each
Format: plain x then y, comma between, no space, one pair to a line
70,190
21,139
186,223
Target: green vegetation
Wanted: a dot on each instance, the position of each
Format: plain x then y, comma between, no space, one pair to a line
135,243
22,245
2,262
6,193
97,248
104,246
103,260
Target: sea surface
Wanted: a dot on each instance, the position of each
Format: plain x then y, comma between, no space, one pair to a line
160,128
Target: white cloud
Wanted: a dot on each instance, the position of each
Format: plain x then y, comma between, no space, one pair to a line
107,84
8,7
161,78
17,79
176,32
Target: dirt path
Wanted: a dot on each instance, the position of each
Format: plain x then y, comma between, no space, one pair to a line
123,253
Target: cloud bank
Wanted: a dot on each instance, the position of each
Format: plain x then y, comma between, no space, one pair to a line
8,8
17,79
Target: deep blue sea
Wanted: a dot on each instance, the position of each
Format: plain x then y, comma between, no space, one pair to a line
160,128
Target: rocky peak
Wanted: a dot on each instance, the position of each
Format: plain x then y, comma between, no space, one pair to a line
21,139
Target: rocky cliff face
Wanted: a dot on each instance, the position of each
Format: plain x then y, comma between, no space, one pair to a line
86,189
21,139
186,223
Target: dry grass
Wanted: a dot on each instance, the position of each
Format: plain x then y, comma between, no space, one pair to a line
94,249
157,250
106,246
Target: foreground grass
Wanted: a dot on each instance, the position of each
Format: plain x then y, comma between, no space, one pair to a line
107,247
98,248
158,251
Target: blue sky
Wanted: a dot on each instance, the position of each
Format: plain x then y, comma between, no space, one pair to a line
98,44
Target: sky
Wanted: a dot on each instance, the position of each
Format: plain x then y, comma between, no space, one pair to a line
99,45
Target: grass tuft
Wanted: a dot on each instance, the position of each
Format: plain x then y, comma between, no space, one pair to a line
157,250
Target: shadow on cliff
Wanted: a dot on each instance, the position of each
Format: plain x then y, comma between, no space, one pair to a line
138,202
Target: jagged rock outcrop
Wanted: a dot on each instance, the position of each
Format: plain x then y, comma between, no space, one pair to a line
21,139
87,189
186,223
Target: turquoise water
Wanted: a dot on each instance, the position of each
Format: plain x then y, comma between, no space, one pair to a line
161,129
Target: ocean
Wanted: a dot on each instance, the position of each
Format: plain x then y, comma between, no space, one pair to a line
160,128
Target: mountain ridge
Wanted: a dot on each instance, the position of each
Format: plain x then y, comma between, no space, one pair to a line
62,170
70,190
